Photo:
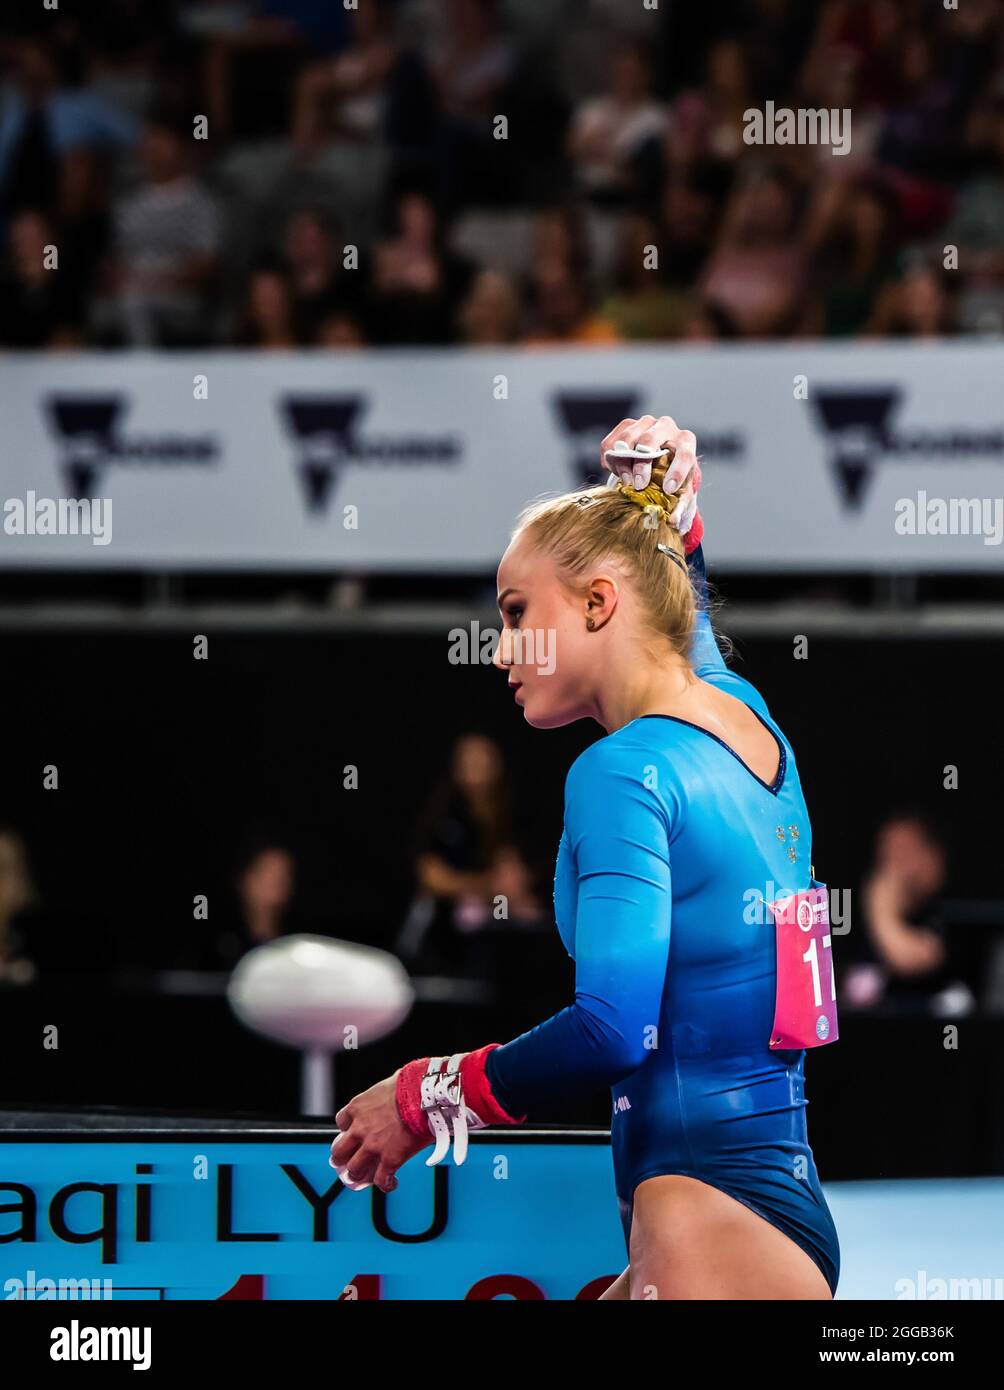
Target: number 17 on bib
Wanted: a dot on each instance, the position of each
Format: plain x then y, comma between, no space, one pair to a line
805,1001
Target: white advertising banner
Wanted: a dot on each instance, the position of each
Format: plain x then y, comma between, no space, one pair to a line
817,455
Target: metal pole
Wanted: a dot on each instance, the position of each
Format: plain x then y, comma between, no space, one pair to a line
317,1083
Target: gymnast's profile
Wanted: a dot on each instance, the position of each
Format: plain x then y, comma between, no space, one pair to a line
684,892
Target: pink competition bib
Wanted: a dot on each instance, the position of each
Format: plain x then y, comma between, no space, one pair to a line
805,1005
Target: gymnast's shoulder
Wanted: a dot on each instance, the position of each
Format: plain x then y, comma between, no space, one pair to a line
628,769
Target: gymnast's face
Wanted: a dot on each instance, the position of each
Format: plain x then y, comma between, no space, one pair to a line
545,649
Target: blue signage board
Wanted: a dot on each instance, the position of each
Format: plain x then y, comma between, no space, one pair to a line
200,1216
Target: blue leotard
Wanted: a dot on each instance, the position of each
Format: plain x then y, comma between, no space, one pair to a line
669,840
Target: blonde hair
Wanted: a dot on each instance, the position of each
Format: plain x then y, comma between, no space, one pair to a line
580,529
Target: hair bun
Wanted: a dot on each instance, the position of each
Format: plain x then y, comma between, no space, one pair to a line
652,498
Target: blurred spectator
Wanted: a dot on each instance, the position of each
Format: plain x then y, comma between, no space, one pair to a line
490,312
375,88
49,122
691,207
417,282
919,304
921,125
837,81
560,238
757,271
917,963
17,893
472,66
466,858
319,283
560,311
131,51
253,52
166,243
472,62
47,942
559,294
267,318
608,132
850,235
707,122
40,307
262,910
642,305
473,59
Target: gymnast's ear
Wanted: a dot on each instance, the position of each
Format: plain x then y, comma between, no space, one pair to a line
600,601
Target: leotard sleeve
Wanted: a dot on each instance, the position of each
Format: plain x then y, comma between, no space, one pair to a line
705,658
618,832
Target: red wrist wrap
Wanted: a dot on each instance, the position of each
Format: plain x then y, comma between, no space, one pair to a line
476,1090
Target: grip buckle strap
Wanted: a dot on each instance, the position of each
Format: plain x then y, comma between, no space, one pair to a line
442,1094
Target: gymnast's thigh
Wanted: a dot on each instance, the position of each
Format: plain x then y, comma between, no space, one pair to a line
692,1240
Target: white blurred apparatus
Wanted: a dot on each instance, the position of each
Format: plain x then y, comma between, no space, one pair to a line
320,995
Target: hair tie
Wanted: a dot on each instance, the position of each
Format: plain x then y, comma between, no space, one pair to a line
653,508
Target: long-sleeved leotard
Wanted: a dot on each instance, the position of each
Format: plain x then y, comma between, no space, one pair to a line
669,843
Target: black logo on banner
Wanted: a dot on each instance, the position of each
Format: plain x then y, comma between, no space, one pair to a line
589,417
858,422
90,432
86,428
327,435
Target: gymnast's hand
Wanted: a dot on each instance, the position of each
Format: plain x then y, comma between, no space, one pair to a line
683,475
374,1141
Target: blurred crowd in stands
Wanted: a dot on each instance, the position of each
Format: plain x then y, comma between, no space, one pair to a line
283,173
481,915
